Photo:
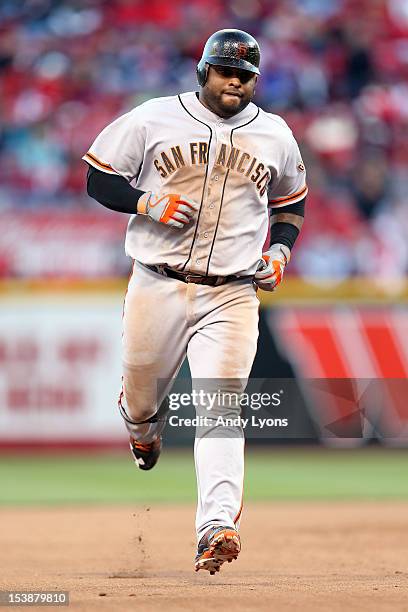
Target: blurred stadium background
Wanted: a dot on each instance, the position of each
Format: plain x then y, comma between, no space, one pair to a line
337,72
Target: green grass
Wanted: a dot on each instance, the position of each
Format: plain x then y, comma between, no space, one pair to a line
289,474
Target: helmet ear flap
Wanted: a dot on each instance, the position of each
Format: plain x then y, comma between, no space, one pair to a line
202,72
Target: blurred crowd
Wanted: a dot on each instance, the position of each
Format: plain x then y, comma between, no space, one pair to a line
336,71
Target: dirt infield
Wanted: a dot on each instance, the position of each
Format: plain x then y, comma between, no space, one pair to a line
309,556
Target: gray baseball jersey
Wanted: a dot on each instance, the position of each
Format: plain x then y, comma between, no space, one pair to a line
233,168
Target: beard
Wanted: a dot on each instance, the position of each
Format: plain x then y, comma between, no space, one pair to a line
225,105
232,103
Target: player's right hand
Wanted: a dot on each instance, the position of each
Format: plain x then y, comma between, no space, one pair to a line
171,209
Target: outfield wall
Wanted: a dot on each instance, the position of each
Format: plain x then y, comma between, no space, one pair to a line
60,369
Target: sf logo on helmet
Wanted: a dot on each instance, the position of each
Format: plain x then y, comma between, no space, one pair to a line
242,49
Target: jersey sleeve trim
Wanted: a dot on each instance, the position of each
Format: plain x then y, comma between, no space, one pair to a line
291,199
90,158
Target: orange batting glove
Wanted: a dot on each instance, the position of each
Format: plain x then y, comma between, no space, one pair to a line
171,209
271,267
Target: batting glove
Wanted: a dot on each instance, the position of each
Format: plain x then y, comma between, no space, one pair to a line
271,267
171,209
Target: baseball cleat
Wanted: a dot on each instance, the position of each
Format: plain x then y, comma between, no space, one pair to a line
218,545
146,455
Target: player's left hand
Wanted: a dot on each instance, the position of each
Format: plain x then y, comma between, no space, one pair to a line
271,267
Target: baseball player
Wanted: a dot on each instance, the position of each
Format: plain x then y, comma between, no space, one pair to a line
201,174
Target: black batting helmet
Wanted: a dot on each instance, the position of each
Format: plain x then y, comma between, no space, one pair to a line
233,48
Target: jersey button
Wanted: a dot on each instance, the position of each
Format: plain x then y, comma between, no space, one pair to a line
198,261
216,177
205,234
211,205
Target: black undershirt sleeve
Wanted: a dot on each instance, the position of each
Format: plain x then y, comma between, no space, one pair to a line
283,232
112,191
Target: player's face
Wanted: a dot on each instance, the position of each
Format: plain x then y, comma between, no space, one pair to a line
227,91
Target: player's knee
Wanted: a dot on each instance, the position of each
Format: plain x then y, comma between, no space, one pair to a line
140,403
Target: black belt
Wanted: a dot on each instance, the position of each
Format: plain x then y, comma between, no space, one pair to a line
189,277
